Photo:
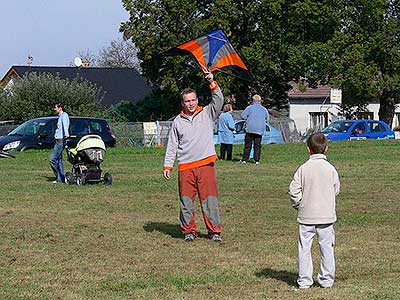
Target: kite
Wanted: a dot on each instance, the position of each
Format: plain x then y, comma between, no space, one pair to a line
214,52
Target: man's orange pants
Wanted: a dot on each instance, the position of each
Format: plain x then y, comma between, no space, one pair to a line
202,181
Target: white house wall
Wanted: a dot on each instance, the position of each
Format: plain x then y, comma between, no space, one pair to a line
300,113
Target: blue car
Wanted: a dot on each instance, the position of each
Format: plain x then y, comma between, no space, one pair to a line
358,130
271,135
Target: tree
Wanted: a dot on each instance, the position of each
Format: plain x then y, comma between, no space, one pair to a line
120,53
153,27
272,36
88,57
360,54
352,44
369,59
35,95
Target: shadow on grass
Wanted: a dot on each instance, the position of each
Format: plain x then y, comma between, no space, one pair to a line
167,228
285,276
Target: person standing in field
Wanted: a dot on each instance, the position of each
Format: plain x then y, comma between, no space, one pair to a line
191,142
255,115
313,193
225,127
60,135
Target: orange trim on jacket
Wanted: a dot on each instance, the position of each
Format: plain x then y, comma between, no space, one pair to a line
197,163
198,109
213,85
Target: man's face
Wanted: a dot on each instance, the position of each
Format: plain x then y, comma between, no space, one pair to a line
190,102
57,109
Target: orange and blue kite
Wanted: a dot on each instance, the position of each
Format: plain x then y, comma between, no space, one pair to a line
214,52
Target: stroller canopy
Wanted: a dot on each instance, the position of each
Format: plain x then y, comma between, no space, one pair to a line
89,141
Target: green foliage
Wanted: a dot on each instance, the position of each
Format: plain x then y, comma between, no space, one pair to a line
352,44
365,56
152,108
35,95
157,26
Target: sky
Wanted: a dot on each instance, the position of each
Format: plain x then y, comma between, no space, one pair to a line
54,32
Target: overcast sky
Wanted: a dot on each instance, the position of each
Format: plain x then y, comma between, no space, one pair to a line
53,32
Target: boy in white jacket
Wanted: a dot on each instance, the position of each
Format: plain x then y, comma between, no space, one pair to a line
312,192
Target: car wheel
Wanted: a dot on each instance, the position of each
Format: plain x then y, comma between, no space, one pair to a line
107,179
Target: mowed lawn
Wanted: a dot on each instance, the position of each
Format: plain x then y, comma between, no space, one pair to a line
123,241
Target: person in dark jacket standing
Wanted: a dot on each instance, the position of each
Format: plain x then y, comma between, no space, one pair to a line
226,126
255,115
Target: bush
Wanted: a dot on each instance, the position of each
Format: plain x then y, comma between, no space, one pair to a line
35,95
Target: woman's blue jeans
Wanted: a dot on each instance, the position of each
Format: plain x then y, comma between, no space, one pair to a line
56,161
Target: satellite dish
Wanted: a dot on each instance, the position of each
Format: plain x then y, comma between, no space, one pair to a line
78,61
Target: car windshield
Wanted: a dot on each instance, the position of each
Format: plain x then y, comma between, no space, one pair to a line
31,127
340,127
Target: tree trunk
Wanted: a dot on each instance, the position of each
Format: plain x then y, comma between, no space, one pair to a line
386,110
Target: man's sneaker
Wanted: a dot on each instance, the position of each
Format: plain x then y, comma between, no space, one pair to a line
242,162
216,237
189,237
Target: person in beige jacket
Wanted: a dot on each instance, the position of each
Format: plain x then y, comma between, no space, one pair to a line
312,192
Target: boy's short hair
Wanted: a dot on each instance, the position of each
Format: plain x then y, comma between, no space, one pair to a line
317,143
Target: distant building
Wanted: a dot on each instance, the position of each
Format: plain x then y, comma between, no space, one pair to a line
313,109
117,84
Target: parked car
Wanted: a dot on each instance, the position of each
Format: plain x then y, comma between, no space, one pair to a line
39,133
271,135
358,130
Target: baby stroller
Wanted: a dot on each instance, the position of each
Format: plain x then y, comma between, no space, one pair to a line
86,159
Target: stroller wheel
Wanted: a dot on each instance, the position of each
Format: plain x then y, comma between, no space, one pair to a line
69,178
80,179
107,178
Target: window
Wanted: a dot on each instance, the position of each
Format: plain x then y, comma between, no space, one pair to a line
396,121
79,127
95,127
240,127
49,129
376,127
365,115
360,128
267,128
318,120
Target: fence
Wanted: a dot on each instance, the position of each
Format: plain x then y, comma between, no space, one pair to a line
152,134
138,134
6,128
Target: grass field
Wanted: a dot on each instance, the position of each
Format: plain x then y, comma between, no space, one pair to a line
123,241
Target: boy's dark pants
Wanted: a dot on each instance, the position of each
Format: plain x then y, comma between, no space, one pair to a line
226,148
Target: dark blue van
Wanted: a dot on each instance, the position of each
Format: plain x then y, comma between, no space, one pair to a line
39,133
